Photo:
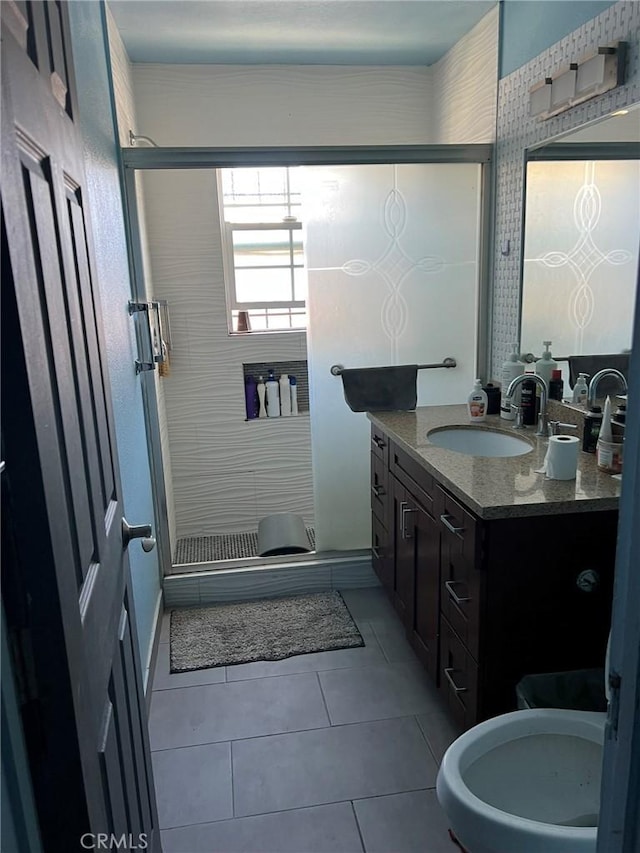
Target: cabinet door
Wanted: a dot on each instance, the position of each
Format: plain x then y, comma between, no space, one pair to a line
427,590
403,510
380,488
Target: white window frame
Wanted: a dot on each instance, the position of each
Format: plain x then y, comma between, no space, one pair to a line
290,224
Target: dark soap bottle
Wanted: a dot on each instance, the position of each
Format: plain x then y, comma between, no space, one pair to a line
528,402
556,385
592,424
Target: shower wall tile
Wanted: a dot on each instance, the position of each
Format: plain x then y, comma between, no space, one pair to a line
215,454
280,489
517,132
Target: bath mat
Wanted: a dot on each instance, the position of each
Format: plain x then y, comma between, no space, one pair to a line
265,629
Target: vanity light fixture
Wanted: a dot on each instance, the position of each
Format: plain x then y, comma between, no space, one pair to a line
590,76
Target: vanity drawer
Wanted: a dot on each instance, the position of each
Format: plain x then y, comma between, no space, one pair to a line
380,488
380,445
413,476
458,677
381,553
460,575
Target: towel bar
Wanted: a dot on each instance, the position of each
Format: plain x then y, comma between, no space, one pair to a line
336,369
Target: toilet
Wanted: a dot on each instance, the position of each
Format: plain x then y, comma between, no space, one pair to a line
527,781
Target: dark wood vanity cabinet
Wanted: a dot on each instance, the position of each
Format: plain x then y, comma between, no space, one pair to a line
485,602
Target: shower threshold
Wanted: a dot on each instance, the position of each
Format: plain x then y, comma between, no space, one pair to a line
229,550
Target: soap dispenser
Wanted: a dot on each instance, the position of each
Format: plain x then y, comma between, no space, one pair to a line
477,403
546,365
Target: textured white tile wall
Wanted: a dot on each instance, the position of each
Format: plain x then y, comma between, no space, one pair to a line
126,120
516,132
227,473
465,86
219,105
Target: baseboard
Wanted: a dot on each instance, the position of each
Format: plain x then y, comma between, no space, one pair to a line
334,570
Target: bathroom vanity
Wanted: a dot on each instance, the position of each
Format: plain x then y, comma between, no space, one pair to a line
494,571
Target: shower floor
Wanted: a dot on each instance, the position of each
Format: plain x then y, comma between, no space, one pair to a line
223,546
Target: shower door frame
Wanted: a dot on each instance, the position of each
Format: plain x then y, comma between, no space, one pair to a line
152,159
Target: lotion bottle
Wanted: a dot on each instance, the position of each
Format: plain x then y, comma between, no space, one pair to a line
511,368
285,396
261,389
477,404
273,396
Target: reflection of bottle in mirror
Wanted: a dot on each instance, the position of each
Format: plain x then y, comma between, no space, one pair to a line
510,369
556,385
580,390
293,387
528,402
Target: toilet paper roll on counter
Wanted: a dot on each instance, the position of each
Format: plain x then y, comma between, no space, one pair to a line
561,461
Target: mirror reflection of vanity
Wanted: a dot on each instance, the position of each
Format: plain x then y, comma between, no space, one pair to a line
581,240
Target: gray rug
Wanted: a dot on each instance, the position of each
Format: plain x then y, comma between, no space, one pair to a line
266,629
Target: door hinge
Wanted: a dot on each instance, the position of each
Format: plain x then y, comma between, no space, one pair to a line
613,711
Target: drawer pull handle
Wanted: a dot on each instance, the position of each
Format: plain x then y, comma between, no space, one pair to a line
377,491
452,592
375,552
379,442
403,526
447,671
444,518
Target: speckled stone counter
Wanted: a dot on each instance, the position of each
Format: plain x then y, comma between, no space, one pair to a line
502,487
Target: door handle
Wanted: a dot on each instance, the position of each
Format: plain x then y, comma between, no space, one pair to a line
447,671
137,531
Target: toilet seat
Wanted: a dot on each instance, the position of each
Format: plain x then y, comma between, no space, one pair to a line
512,782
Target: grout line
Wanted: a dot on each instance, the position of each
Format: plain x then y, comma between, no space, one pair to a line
324,700
355,817
290,732
426,740
233,793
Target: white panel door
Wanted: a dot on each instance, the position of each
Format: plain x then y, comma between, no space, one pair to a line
392,254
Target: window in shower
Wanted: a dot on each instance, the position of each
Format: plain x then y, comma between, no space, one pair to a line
265,273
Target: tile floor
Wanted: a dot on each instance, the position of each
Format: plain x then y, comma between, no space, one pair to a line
334,751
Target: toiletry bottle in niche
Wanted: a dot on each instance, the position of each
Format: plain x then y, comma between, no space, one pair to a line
580,390
285,396
477,403
293,388
528,402
251,397
262,393
273,396
591,430
556,385
511,368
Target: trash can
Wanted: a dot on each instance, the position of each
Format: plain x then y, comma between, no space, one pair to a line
578,690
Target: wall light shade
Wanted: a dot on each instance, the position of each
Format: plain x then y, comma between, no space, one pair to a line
540,98
590,76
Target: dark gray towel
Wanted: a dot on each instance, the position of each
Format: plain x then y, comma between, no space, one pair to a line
381,389
591,364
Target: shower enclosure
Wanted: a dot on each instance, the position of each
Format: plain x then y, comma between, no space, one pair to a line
396,264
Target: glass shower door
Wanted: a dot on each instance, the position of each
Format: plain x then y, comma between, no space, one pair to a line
392,256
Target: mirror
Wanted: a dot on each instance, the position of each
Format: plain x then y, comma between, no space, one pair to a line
580,242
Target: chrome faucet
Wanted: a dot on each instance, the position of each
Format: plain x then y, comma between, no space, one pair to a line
593,385
543,427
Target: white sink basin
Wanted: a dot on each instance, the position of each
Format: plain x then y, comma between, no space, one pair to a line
475,441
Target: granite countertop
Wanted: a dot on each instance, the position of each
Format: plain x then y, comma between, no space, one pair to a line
505,487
